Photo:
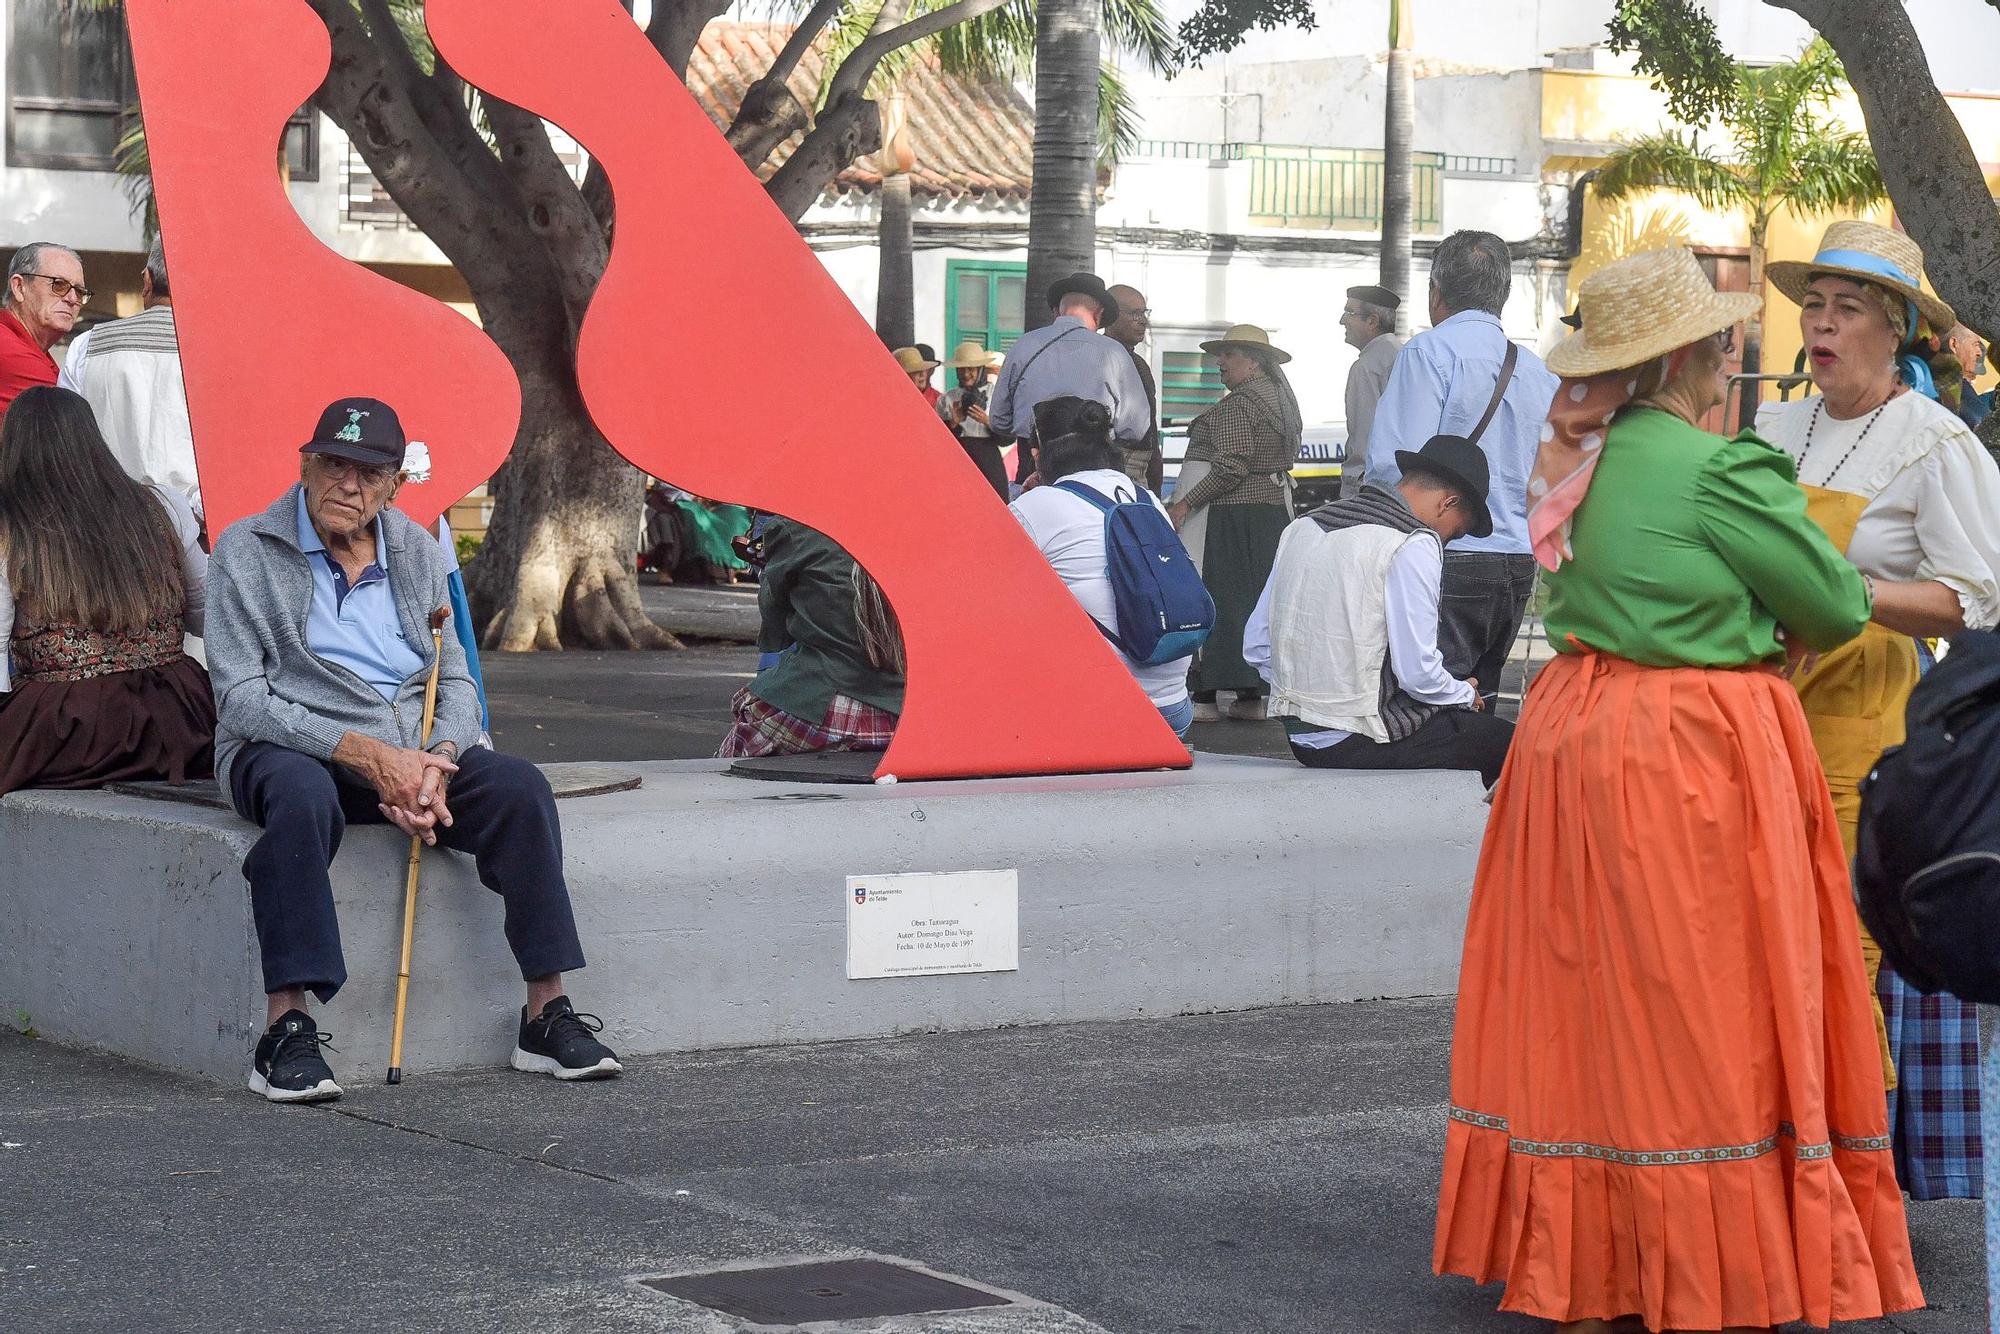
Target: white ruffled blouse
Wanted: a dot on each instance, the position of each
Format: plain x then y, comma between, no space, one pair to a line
1933,492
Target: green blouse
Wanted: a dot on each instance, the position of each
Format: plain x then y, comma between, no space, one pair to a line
1691,550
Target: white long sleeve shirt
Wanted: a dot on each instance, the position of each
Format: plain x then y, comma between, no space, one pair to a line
1411,599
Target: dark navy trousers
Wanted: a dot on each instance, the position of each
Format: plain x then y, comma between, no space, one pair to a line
502,813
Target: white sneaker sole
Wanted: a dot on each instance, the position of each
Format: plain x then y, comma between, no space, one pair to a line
529,1063
324,1091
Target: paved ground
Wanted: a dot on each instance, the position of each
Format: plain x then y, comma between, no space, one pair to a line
1225,1174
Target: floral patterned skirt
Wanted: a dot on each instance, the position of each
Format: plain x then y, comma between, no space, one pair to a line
148,724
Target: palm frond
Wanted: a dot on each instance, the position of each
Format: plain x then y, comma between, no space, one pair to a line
1118,118
1671,161
1140,28
134,162
1833,170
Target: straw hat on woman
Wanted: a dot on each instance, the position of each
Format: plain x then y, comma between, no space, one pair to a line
1666,1107
1232,502
963,409
1904,488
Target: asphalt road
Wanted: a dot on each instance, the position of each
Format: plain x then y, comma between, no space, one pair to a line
1272,1172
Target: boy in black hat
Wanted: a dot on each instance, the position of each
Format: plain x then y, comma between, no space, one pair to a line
319,650
1068,357
1369,322
1346,630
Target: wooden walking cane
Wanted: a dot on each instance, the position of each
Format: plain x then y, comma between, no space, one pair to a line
438,618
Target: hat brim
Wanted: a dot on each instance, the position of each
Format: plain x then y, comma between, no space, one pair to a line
1793,276
1410,461
984,363
340,449
1589,352
1278,354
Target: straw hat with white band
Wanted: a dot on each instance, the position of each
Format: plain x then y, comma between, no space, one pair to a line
971,355
913,361
1247,336
1643,307
1867,253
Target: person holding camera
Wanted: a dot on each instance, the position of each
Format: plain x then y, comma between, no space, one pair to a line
964,410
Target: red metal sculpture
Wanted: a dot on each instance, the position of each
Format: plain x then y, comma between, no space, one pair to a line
1007,674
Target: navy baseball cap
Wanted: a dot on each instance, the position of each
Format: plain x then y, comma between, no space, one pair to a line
362,430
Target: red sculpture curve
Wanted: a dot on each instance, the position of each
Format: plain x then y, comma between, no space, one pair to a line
1008,675
273,325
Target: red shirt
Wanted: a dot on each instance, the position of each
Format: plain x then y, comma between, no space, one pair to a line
24,363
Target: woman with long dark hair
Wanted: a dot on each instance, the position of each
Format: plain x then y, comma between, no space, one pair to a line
100,579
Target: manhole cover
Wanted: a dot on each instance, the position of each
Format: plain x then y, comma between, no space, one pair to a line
830,1290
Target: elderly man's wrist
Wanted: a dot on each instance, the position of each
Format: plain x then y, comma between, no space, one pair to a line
448,749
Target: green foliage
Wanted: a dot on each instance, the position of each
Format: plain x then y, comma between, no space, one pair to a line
1678,47
467,546
1221,25
1785,151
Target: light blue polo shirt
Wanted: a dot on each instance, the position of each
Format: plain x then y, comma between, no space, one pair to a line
355,626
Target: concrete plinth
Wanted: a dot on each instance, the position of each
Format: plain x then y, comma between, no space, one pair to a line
713,910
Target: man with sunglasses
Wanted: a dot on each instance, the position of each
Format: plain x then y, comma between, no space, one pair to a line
319,649
45,294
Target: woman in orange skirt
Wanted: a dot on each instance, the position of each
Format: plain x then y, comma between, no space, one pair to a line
1667,1105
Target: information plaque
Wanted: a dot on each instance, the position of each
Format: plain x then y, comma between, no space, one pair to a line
930,924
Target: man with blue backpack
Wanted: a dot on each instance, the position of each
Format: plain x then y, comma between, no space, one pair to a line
1346,630
1111,542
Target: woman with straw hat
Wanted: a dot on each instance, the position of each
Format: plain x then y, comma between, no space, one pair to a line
1666,1107
1232,503
963,409
1903,487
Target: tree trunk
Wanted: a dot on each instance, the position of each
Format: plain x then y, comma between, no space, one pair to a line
1753,333
557,567
895,284
1062,210
1398,129
1929,166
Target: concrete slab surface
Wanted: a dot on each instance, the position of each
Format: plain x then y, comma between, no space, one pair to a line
1271,1172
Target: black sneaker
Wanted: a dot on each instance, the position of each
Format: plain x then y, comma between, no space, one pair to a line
287,1066
563,1043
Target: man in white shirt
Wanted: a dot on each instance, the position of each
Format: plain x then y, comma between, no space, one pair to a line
1068,357
1346,630
129,371
1369,322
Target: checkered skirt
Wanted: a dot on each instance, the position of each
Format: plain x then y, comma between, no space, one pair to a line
759,729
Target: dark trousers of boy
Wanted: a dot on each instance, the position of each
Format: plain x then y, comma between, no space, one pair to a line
1449,739
502,813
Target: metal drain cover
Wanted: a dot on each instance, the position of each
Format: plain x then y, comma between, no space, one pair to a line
829,1290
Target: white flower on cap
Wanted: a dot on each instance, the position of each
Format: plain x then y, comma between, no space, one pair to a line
417,461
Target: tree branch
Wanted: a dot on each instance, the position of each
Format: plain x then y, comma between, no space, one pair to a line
858,68
771,113
1932,173
676,27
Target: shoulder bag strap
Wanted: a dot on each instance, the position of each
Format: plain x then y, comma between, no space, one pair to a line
1499,390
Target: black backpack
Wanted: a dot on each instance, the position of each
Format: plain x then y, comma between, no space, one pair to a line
1927,863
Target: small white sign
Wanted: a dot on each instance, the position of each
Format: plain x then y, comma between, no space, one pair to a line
928,924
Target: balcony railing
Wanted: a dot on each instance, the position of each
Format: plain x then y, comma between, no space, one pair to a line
365,201
1339,189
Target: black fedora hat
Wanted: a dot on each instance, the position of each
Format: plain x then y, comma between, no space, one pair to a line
1090,285
1459,462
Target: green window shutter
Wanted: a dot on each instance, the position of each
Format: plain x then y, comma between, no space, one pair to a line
985,302
1190,383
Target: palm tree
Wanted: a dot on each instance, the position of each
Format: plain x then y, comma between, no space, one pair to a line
895,285
1398,130
1785,152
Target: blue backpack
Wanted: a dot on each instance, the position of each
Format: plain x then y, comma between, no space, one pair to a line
1164,610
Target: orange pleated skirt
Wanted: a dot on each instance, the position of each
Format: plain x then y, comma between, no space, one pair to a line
1666,1091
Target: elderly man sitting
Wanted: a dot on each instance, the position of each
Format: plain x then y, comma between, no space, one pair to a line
319,650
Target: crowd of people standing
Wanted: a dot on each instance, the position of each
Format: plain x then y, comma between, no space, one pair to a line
1672,1035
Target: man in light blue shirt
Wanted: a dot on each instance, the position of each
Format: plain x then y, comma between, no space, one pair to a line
1442,384
1070,357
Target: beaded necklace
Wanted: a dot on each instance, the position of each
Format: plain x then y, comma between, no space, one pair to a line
1800,462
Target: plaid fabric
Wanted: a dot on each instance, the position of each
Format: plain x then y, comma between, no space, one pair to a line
761,730
1934,1110
1240,438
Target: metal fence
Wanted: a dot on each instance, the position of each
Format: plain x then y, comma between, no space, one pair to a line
1337,188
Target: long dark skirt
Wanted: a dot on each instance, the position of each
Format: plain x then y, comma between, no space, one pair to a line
1242,545
154,723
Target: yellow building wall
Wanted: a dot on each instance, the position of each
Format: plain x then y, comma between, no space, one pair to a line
1583,107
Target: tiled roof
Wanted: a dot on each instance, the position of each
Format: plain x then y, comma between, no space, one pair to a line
972,140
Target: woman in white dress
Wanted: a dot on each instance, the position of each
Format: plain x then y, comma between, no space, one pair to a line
1905,489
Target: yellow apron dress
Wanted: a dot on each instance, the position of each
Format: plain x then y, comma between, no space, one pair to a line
1854,699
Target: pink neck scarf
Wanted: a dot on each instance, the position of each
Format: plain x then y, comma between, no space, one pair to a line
1572,441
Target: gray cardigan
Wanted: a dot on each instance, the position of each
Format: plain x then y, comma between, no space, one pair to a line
269,686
